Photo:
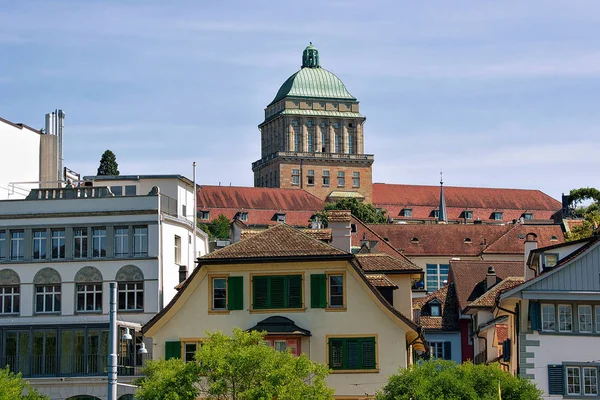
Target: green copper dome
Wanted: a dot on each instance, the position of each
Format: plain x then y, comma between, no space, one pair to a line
312,81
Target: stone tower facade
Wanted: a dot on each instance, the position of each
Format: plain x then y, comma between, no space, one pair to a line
312,137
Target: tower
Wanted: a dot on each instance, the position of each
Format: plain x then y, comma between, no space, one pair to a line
312,137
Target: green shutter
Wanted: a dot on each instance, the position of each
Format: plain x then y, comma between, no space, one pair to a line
368,353
336,353
172,350
294,291
556,384
260,288
277,291
535,315
318,290
235,293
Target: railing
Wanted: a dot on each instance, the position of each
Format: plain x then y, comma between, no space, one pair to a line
302,154
68,193
481,358
77,365
168,205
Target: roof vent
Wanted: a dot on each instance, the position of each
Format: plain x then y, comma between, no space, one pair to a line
414,240
468,240
553,238
521,236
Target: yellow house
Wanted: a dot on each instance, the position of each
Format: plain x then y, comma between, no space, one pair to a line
309,296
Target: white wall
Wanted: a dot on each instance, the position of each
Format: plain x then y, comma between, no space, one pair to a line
19,159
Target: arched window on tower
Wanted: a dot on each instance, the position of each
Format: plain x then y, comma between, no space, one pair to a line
351,147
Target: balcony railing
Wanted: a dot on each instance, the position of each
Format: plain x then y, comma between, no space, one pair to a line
78,365
168,205
481,358
302,154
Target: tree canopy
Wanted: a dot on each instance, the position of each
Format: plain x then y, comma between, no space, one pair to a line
14,387
108,164
590,214
238,367
446,380
218,228
367,213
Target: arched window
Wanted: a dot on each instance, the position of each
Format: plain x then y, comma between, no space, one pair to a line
10,297
89,289
131,288
47,291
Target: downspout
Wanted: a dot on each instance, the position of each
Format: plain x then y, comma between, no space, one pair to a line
486,344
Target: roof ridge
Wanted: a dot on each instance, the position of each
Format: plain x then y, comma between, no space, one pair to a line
402,256
487,246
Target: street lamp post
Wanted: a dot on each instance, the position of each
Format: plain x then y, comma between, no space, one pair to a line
113,335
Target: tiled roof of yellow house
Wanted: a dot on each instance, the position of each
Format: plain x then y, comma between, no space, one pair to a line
279,241
381,262
380,280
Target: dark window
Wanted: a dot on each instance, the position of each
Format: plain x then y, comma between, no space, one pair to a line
272,292
117,190
352,353
130,190
2,245
219,295
47,298
17,248
99,242
468,214
80,242
325,178
39,245
89,297
121,241
10,299
140,241
58,243
310,178
131,296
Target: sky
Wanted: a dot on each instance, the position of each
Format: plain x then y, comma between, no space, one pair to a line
495,94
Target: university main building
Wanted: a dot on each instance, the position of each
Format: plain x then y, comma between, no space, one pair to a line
312,137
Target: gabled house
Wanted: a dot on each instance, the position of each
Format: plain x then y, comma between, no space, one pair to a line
437,313
554,320
307,295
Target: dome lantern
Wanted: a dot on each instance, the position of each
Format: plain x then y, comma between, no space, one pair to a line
310,57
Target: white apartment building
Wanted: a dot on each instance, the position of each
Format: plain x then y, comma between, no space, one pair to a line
60,248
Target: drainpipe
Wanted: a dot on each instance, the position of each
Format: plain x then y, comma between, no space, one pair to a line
486,344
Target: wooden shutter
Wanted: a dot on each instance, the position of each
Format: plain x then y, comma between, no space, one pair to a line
353,354
556,379
318,290
447,350
235,293
172,349
368,353
336,353
277,291
506,349
535,315
260,292
294,291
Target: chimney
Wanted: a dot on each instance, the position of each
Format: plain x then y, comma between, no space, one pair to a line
530,244
341,229
490,278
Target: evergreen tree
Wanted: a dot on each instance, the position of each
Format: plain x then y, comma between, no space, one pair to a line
367,213
108,164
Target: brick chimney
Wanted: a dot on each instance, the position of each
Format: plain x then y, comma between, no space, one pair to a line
490,278
339,221
530,244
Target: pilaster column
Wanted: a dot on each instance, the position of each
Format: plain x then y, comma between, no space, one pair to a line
304,135
290,144
345,146
360,143
319,138
331,138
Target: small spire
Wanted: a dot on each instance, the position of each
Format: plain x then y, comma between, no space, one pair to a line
442,216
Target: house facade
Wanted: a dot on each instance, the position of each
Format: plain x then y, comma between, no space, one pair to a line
554,320
59,250
308,296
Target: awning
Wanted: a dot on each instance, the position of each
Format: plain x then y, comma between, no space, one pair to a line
278,325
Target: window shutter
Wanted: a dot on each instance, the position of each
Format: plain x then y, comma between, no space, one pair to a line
556,384
336,353
535,315
260,286
318,290
172,350
368,353
294,287
447,350
235,293
277,291
506,350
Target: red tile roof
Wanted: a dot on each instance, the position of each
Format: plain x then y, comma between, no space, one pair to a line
446,296
377,244
279,241
488,299
501,333
469,276
381,262
261,204
482,201
440,239
513,241
380,280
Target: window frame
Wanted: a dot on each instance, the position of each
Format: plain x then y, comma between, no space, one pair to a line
345,339
99,229
96,294
295,177
310,177
559,316
341,179
498,215
437,345
126,291
196,341
15,299
55,293
591,318
288,275
597,316
19,241
568,392
356,179
326,178
82,248
121,241
4,254
41,242
438,275
329,275
211,294
140,241
60,239
543,320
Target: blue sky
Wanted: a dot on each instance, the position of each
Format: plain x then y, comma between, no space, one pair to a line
497,94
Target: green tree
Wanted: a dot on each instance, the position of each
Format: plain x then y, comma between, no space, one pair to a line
108,164
367,213
238,367
589,214
446,380
218,228
14,387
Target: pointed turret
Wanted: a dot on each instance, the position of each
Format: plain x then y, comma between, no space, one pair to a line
442,216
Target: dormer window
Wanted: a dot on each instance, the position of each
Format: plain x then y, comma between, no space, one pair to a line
414,240
243,216
553,238
497,216
436,213
280,217
468,240
435,309
468,214
550,260
204,215
406,212
527,216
